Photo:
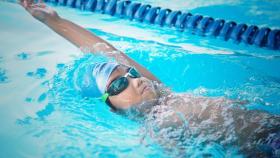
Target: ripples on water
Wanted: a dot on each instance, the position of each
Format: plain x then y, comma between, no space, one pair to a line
72,126
82,127
221,132
69,125
187,127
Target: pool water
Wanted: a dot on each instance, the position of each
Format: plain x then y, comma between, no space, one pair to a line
42,115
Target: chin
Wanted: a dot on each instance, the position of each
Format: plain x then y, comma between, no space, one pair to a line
149,95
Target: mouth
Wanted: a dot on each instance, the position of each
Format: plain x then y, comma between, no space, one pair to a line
145,89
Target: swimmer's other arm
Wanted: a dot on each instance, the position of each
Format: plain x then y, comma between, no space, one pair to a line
79,36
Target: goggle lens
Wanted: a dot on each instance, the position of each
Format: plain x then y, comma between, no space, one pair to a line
133,73
117,86
121,83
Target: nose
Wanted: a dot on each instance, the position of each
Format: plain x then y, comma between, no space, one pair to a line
136,82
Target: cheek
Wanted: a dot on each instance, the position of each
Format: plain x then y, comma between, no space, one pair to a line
126,99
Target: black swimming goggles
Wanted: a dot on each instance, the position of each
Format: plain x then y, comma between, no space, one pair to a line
120,83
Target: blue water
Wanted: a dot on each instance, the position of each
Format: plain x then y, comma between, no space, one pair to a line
41,114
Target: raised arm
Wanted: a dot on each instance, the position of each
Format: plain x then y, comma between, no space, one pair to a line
79,36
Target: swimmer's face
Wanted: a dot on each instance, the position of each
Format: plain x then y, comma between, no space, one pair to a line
139,90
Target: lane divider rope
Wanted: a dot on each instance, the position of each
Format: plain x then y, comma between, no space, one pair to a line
195,24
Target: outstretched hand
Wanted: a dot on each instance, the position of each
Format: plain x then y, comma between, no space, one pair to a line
39,10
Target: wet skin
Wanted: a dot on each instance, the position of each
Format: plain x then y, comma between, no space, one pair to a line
138,90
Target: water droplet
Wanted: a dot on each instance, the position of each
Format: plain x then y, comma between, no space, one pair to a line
3,77
23,56
60,66
40,73
46,111
28,99
30,74
42,97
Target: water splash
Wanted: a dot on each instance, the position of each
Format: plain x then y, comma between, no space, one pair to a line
3,76
182,123
39,73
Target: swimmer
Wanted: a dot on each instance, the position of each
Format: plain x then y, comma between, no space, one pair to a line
125,86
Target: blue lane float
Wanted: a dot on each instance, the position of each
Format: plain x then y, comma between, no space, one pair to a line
196,24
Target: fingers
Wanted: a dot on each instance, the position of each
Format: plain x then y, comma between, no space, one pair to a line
28,3
21,2
31,8
25,3
39,5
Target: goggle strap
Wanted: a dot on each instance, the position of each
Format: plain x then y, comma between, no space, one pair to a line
105,97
